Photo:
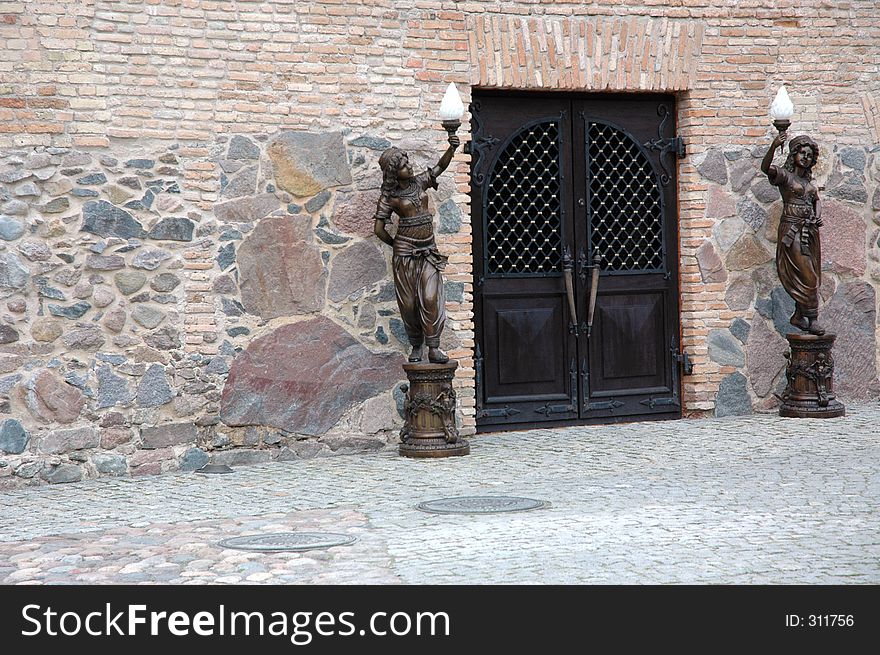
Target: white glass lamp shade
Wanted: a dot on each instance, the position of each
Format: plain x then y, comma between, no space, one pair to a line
451,108
782,108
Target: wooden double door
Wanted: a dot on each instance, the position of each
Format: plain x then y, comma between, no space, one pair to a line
564,182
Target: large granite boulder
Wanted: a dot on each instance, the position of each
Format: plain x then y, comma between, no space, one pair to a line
57,442
246,210
280,270
728,231
747,253
174,228
719,203
303,377
52,400
843,238
751,214
740,293
353,212
733,396
106,220
713,166
851,315
112,389
306,163
724,349
13,274
765,356
360,265
742,172
88,337
169,434
13,437
154,390
778,307
711,266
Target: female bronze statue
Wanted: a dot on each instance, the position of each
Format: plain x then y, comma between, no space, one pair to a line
798,253
416,262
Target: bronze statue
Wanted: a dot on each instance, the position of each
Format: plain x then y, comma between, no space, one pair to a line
798,253
416,262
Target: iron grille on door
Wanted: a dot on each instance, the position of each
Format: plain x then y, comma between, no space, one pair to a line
522,204
626,213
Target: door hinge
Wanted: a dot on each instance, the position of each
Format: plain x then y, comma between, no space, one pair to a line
673,145
606,404
687,366
659,402
479,146
555,409
503,412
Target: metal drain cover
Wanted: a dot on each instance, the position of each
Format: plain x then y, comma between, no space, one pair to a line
214,469
288,541
481,505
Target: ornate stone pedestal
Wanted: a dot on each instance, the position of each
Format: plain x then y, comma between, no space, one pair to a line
429,424
810,390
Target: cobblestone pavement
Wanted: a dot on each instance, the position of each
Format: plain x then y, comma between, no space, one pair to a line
755,499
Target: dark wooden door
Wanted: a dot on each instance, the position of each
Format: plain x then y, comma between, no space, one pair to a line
559,179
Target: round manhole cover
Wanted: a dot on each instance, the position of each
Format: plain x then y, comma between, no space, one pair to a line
288,541
481,505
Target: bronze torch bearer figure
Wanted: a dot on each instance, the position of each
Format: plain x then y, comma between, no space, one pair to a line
429,429
810,368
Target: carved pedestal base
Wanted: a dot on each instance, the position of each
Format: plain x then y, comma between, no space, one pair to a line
429,424
810,390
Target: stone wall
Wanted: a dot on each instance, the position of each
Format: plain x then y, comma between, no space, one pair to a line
107,273
187,269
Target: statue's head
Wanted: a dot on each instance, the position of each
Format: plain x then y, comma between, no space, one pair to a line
802,152
390,159
394,163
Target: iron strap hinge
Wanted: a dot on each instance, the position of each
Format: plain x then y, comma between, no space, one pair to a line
556,409
659,402
607,404
666,145
672,144
687,366
503,412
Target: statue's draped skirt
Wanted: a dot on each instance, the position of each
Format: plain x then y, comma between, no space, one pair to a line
798,257
418,281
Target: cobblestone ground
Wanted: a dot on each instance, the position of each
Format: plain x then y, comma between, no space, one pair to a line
755,499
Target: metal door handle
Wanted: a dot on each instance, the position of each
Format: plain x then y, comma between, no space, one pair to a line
567,267
594,289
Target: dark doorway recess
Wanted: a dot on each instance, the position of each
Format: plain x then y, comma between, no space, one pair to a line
556,180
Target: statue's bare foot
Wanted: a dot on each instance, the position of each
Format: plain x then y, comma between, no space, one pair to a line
437,356
815,328
800,322
416,354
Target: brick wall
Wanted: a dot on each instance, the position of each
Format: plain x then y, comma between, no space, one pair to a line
118,80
